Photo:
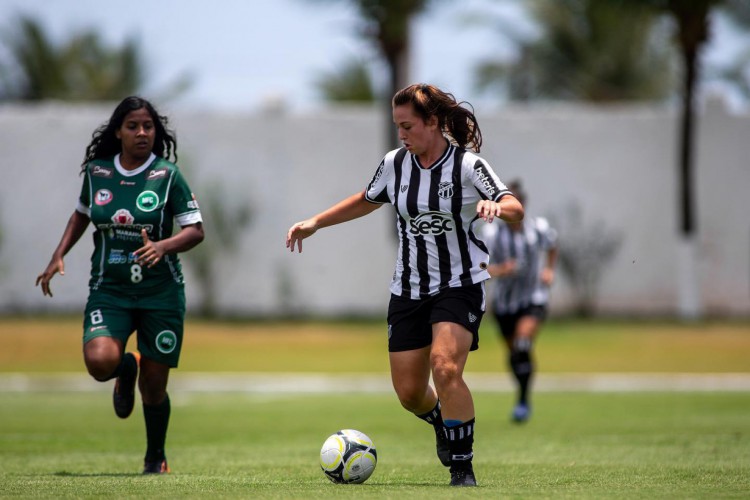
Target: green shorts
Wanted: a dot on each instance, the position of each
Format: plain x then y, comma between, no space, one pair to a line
158,317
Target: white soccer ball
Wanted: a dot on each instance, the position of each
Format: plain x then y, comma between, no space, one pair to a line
348,456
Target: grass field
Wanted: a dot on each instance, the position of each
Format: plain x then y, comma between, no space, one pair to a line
241,445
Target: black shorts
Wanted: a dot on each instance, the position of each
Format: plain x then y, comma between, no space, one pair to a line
410,321
508,322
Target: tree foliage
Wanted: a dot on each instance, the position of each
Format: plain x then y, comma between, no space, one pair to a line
589,50
83,68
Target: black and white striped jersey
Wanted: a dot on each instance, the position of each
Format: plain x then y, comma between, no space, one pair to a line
436,218
528,247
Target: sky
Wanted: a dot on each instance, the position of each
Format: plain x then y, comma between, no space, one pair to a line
246,54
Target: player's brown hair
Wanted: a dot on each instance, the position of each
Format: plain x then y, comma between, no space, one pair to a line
454,119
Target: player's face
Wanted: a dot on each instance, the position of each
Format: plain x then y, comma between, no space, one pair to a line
416,135
137,134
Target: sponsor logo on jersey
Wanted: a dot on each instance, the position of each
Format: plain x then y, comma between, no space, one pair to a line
193,204
147,201
157,174
445,190
118,256
100,171
404,187
127,183
434,223
379,172
123,217
485,179
102,197
166,341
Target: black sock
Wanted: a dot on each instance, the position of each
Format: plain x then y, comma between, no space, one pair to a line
523,368
461,442
434,417
157,421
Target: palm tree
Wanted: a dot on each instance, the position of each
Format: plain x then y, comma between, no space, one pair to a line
81,69
589,50
387,23
352,83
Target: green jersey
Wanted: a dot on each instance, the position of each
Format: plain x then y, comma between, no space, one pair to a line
120,203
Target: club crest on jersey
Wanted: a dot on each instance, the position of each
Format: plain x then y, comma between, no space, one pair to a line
123,217
147,201
404,187
102,197
431,223
445,190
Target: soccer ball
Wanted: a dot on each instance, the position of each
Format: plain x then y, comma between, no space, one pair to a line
348,456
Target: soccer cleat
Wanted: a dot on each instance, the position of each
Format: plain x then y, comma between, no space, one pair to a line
123,397
157,467
521,413
443,449
463,477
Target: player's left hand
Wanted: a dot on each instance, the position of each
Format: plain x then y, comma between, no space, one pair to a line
488,210
150,253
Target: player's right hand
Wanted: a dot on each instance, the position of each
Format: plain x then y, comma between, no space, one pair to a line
299,232
55,266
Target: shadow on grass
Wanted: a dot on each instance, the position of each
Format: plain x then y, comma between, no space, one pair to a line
99,474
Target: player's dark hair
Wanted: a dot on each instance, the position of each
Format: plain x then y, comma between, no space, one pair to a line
454,119
516,188
105,144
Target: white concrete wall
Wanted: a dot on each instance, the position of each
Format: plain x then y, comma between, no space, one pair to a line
618,163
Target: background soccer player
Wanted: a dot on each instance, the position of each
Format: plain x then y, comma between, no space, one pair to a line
523,255
133,195
439,189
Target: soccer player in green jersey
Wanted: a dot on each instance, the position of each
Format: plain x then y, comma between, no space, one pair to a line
133,195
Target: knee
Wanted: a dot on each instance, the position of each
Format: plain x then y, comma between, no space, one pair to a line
153,387
101,361
444,370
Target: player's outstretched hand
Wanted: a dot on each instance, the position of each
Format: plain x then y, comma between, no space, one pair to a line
150,253
299,232
488,210
56,265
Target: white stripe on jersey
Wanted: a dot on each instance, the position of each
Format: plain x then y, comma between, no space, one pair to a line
527,247
435,218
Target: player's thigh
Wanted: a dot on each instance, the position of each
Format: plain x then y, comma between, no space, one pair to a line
160,325
410,372
107,315
451,343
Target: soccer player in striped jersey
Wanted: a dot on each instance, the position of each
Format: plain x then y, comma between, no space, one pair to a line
133,195
522,259
440,190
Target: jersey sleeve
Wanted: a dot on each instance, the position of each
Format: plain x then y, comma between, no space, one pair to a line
547,233
84,199
486,180
182,202
377,189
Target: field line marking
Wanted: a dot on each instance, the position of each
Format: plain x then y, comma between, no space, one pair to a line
376,382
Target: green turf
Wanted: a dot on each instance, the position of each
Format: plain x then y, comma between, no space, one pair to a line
578,445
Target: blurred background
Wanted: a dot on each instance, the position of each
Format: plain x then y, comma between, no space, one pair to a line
626,120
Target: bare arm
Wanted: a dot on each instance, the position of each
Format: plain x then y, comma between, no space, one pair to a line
73,231
548,273
508,209
152,251
348,209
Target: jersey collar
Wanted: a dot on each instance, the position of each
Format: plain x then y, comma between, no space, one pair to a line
131,173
